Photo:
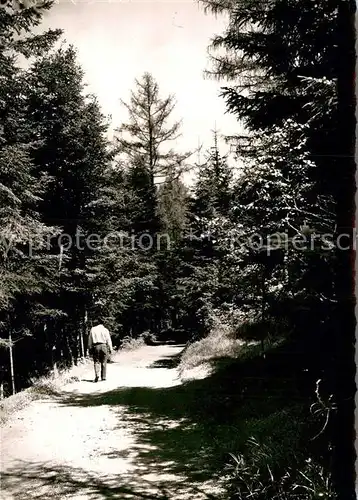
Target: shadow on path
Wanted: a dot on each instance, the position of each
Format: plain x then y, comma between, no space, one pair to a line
182,435
169,362
189,430
40,480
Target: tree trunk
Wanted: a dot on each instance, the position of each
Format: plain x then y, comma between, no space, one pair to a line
54,362
343,335
70,353
12,373
83,333
263,309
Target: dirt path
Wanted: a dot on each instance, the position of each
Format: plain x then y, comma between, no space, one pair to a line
103,440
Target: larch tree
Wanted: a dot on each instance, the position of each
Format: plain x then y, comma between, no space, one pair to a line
149,130
152,169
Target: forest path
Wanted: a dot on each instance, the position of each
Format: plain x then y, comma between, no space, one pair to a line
118,439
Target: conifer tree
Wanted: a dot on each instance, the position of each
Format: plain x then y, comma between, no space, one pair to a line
149,131
20,188
173,206
213,186
74,154
294,60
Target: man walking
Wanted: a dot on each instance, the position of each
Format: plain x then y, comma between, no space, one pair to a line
100,346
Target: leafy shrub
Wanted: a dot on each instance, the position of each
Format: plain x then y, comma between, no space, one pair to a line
149,337
129,343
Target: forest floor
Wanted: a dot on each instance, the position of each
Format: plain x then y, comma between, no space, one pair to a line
129,437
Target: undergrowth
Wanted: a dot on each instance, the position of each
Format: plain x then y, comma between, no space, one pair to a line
221,342
260,474
130,343
51,384
47,385
265,391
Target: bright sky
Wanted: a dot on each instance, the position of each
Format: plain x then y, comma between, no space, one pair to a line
117,41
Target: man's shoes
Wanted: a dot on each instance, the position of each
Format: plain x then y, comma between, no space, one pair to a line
103,380
96,379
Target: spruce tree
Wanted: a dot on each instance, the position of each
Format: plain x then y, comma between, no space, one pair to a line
173,207
294,60
213,187
23,278
74,154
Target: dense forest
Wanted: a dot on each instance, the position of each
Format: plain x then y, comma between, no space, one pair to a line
96,227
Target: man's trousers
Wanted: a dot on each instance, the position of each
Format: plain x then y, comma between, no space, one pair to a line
100,357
